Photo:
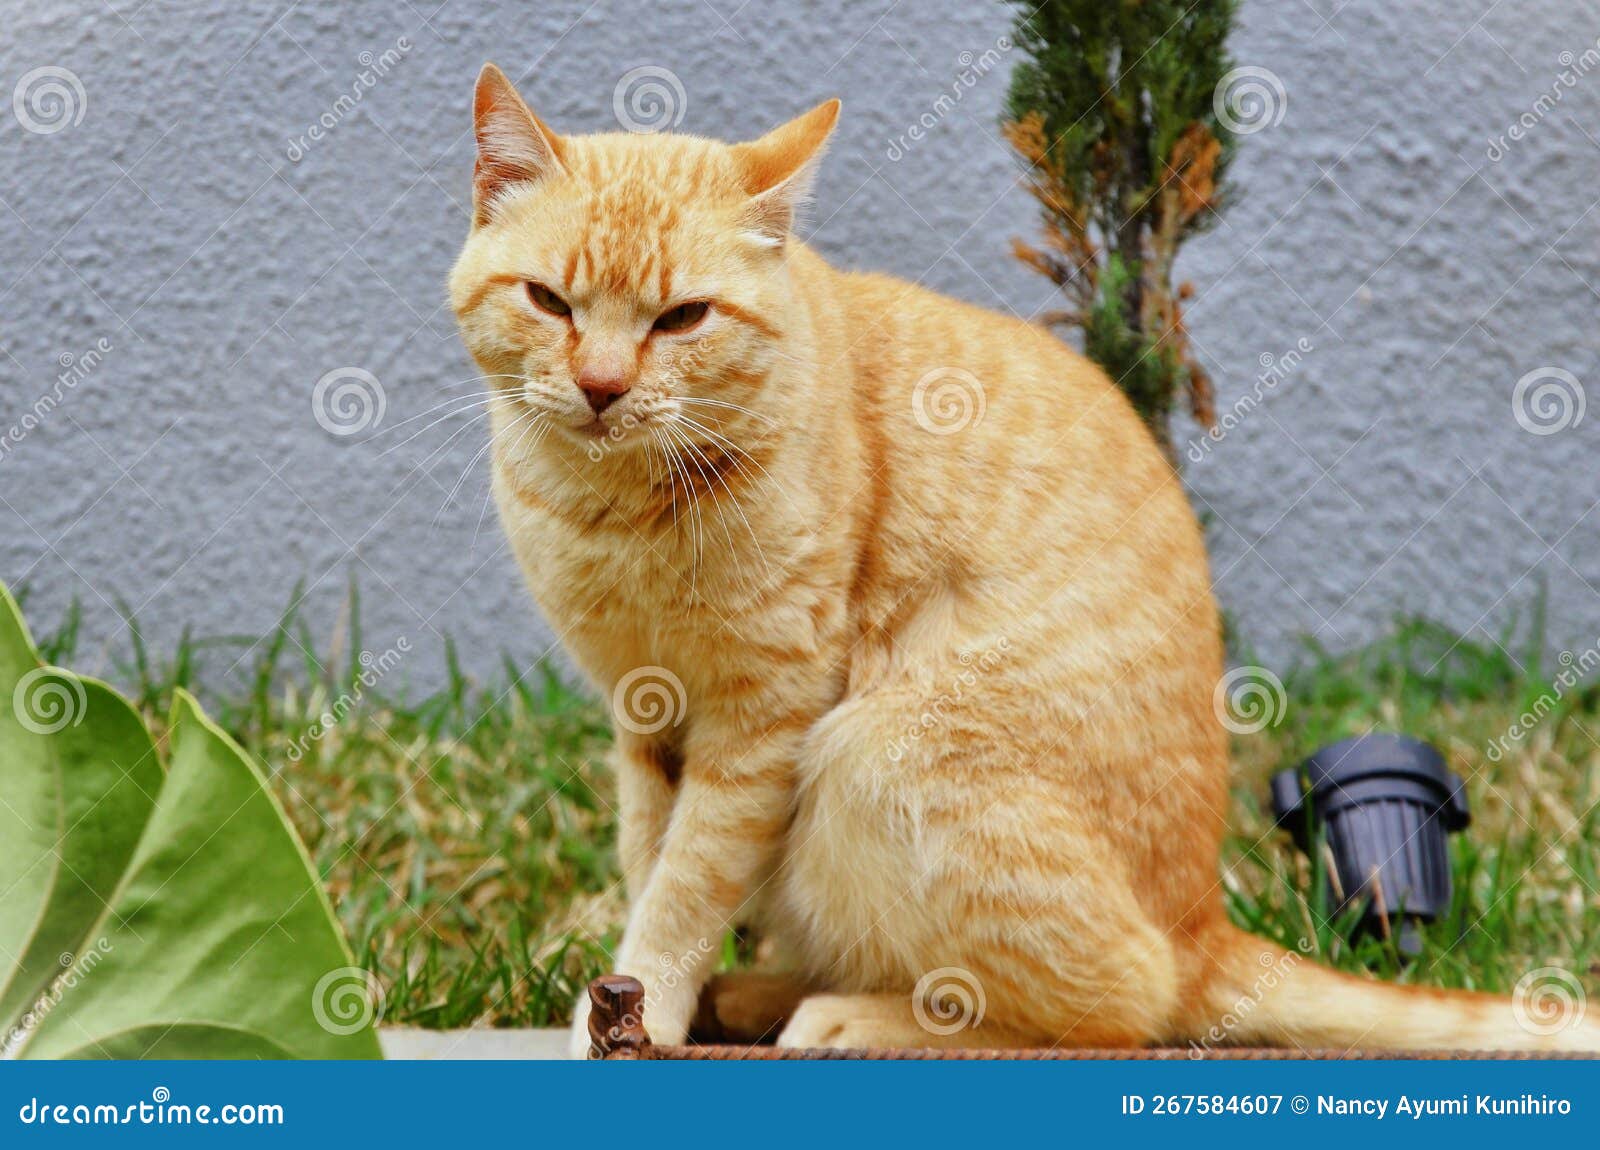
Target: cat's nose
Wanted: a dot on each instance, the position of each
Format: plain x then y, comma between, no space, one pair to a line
602,388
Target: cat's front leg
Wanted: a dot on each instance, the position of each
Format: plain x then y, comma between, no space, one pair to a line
647,772
727,826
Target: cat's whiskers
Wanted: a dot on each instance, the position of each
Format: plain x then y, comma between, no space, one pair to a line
458,403
449,441
478,379
701,463
741,409
529,416
755,540
691,512
476,404
538,427
672,479
712,474
734,459
739,456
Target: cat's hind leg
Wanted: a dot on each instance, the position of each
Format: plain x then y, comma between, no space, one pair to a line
971,856
747,1005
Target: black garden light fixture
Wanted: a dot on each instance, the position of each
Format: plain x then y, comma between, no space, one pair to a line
1384,804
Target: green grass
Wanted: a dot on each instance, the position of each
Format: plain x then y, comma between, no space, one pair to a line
1526,872
467,836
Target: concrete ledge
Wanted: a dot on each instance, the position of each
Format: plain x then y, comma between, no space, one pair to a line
410,1044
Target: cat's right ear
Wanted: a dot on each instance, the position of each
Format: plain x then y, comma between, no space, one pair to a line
514,145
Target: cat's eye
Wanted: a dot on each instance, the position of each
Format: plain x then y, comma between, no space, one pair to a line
546,300
683,317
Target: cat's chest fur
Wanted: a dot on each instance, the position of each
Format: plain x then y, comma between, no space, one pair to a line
714,601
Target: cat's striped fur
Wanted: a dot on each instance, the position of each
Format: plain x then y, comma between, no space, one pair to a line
936,604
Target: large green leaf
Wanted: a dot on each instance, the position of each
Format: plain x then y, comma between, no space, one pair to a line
78,778
153,914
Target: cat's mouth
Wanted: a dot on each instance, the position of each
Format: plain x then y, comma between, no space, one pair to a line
610,430
601,425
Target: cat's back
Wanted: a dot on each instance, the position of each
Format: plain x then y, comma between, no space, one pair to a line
977,413
1012,489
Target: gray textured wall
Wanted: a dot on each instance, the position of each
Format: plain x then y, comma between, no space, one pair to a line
170,230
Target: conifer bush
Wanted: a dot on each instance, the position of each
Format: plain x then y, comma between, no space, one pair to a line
1115,106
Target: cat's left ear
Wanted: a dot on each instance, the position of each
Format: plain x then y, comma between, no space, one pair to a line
514,145
780,167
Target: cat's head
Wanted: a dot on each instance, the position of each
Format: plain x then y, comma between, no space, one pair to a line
617,284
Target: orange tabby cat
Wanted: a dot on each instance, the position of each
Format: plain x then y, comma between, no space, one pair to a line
925,611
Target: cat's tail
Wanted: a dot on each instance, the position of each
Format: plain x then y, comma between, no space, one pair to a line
1257,994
